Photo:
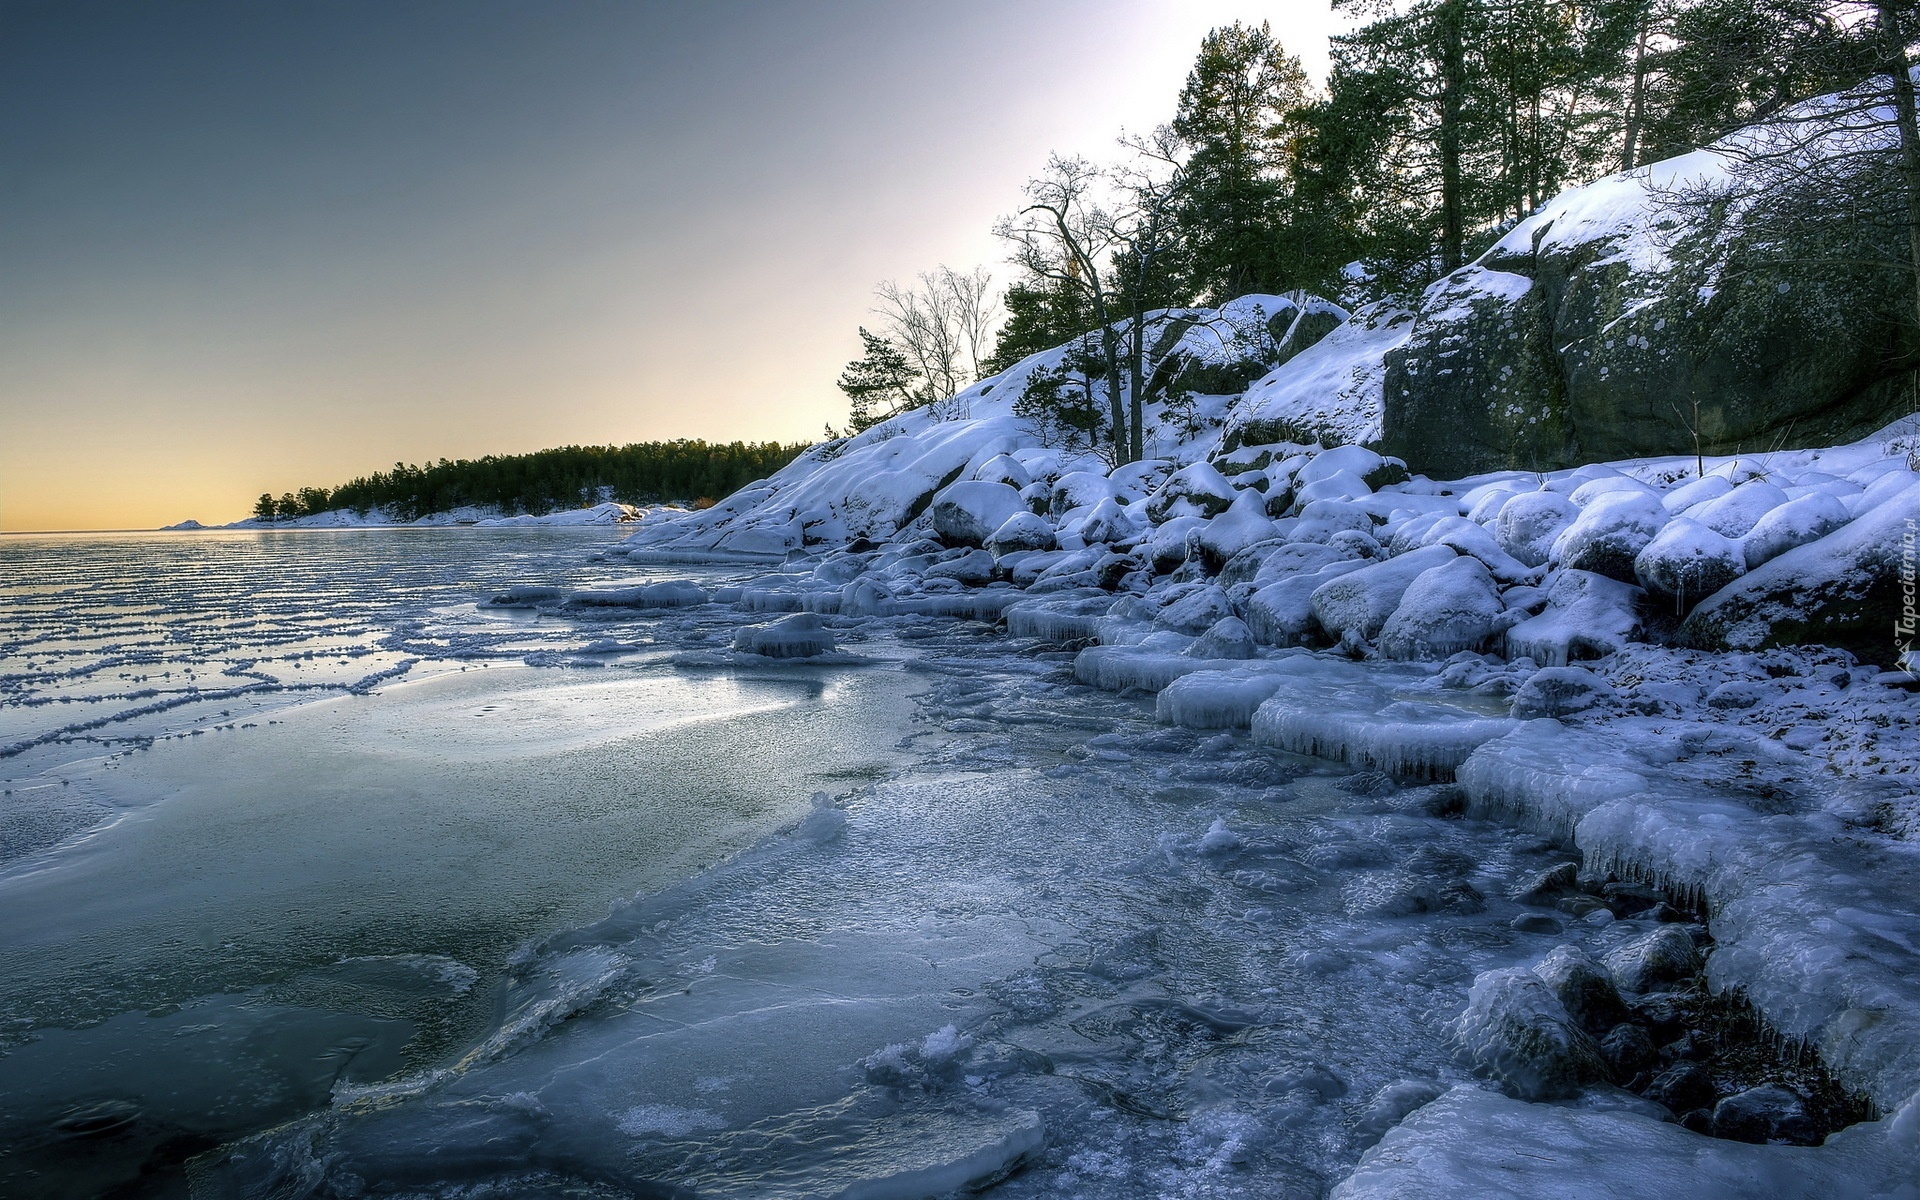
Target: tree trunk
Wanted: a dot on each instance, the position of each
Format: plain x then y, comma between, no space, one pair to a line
1453,72
1903,102
1116,406
1136,401
1637,99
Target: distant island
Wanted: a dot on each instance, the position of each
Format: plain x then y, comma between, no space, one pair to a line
563,480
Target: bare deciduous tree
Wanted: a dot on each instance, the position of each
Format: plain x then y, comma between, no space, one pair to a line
944,322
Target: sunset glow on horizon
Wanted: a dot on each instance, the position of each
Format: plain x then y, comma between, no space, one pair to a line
245,248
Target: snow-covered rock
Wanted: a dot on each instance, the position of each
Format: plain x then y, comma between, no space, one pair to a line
1193,491
969,512
1842,590
1021,531
1609,533
1244,524
1445,609
802,635
1110,522
1586,616
1735,513
1688,561
1805,519
1530,522
1517,1031
1361,602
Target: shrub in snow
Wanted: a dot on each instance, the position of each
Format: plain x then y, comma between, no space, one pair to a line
1654,961
1197,610
1517,1032
1021,531
1446,609
1109,522
1077,489
1587,616
1584,988
1244,523
802,635
1193,491
1733,514
1843,590
1795,523
1004,468
1362,601
1226,638
1609,533
1765,1114
967,513
1281,613
1561,692
1688,562
1529,523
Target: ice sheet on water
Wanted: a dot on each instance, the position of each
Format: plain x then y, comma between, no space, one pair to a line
983,967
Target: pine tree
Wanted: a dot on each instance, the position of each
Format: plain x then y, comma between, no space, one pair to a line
264,508
1238,114
879,383
1041,314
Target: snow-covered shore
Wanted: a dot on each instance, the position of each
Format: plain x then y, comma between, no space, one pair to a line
1625,658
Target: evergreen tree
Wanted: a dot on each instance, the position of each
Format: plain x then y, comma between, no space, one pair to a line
1041,314
1706,67
1238,114
263,508
879,383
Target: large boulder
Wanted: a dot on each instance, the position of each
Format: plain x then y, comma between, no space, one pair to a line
1192,491
1517,1031
1529,522
1021,531
1281,612
1795,523
1844,590
1735,513
1446,609
1361,602
967,513
1077,489
1687,562
1610,533
1586,616
1244,524
1617,322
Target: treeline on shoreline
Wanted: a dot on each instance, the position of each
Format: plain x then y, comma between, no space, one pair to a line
684,471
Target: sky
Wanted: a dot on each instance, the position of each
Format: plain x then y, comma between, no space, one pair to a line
246,247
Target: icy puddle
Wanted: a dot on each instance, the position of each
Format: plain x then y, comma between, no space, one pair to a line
1066,951
328,898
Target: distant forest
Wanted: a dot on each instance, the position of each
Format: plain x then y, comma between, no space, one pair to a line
545,481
